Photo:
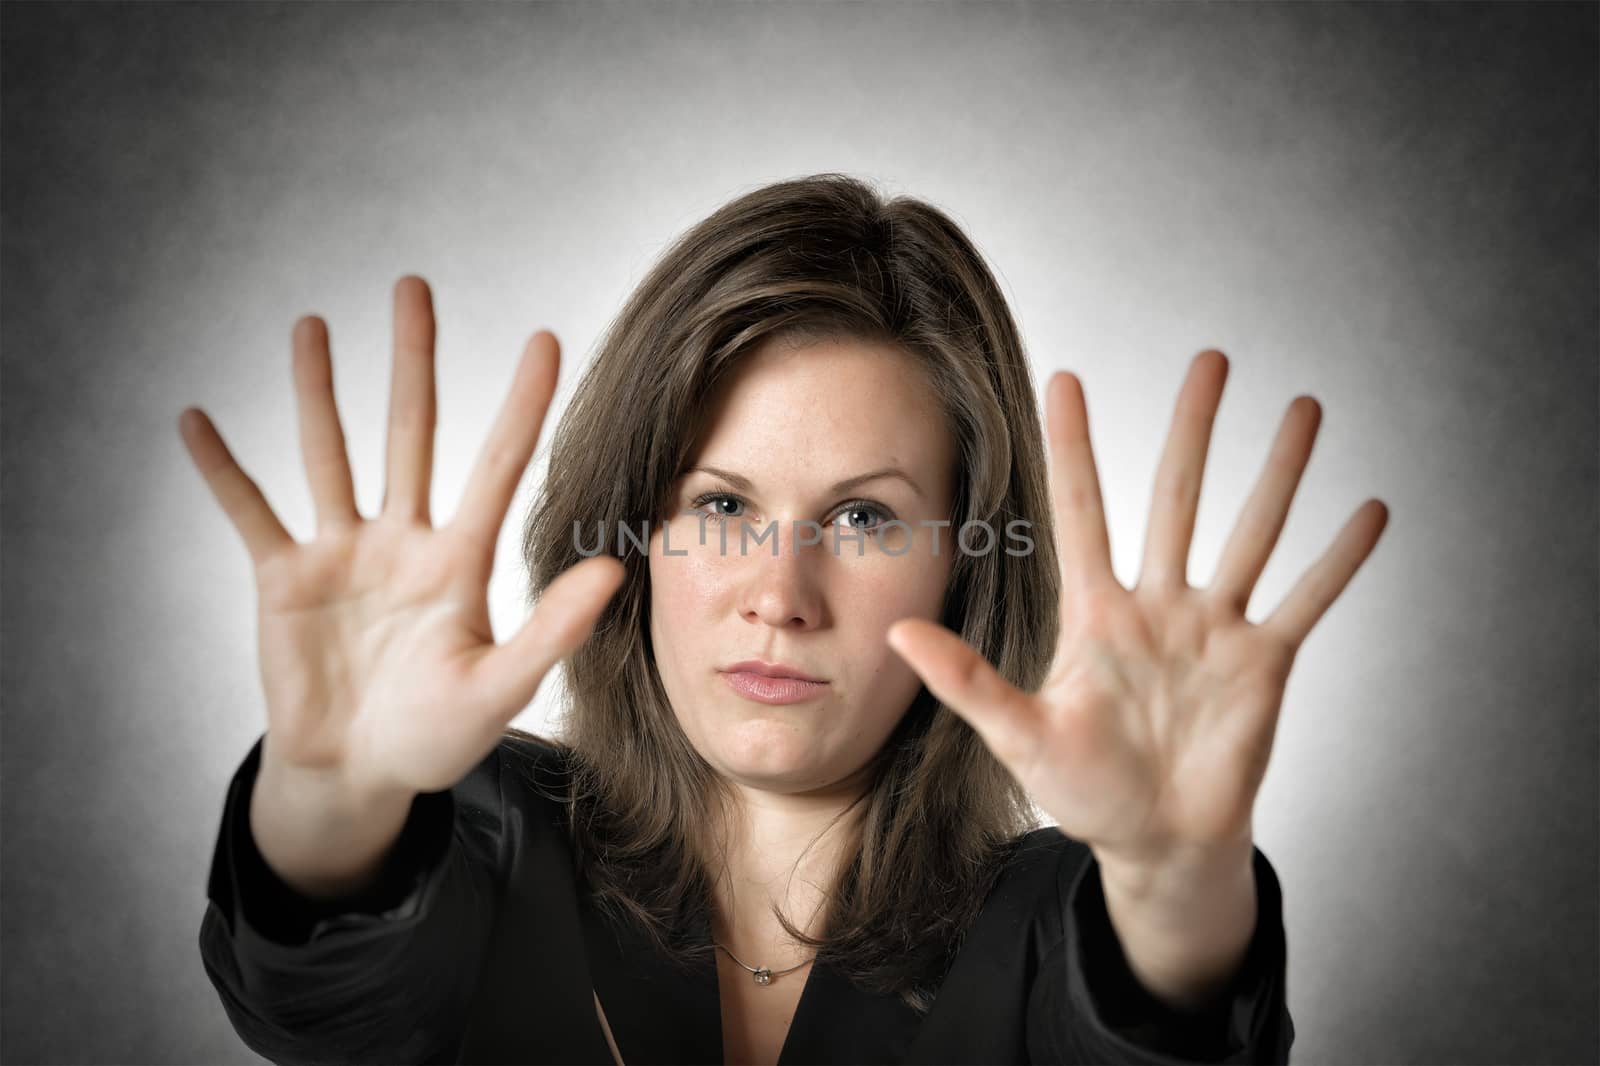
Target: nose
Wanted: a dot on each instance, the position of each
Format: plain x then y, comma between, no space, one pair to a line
783,591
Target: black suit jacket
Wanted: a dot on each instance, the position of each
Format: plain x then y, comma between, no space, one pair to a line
477,946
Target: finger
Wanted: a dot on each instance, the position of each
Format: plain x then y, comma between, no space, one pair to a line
1256,532
1075,488
508,676
408,473
1000,713
322,446
1323,583
505,454
239,496
1179,475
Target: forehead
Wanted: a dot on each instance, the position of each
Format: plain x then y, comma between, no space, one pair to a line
828,408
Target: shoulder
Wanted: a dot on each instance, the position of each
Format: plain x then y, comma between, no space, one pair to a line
1046,849
1052,864
1039,871
522,771
1023,914
512,798
531,771
533,759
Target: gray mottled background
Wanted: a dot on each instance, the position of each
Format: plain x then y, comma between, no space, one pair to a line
1391,207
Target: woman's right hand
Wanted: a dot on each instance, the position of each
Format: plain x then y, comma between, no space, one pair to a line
378,659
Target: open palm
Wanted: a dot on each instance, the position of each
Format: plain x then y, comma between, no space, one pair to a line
1151,734
378,661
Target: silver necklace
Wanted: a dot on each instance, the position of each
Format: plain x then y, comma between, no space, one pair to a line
763,975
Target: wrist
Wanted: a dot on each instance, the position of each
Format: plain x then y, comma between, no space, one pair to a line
1185,924
331,794
1175,874
318,834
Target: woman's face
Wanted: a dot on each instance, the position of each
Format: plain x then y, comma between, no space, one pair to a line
792,430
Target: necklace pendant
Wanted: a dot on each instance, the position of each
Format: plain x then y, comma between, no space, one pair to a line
763,976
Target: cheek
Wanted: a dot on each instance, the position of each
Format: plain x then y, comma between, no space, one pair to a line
685,586
889,589
877,597
685,594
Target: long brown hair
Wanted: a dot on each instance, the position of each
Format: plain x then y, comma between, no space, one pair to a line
823,256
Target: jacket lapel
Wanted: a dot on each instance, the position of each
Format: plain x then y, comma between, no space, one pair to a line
534,1003
659,1011
837,1022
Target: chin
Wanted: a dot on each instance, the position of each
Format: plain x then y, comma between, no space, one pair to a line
771,754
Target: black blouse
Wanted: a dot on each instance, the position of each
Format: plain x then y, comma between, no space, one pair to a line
477,946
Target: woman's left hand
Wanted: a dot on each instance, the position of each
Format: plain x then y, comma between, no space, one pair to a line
1150,737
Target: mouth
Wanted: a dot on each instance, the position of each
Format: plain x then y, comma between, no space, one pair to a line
765,682
765,689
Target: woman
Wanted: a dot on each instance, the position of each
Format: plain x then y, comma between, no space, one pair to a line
790,814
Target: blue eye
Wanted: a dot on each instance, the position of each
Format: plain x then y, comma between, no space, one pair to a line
719,498
878,516
862,507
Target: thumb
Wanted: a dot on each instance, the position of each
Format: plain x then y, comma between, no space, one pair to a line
565,615
1002,715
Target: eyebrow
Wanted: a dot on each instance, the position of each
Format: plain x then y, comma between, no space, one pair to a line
744,484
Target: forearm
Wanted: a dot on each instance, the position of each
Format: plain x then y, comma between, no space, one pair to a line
1184,925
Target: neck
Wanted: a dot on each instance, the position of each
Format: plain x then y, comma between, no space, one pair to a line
781,850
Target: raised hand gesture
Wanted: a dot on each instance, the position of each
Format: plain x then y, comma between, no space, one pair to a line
377,656
1150,737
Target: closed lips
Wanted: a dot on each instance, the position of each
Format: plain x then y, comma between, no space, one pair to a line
766,669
